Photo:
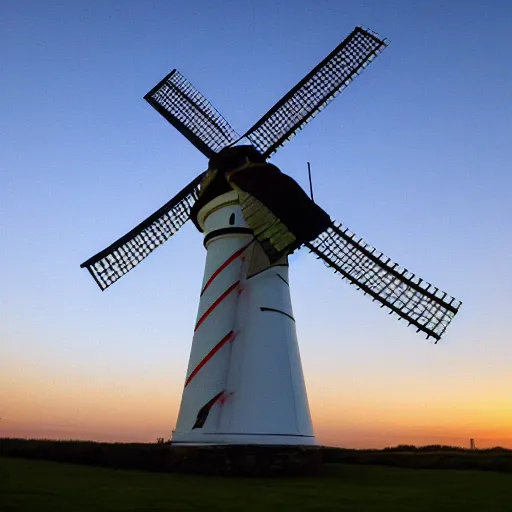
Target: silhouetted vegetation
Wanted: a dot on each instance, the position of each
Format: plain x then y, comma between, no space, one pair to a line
239,460
425,457
147,457
157,456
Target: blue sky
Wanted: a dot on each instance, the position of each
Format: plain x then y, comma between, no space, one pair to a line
414,156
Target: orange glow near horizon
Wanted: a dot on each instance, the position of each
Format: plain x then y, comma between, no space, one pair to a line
40,406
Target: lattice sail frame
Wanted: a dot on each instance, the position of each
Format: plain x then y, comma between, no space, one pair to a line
123,255
421,304
178,101
315,90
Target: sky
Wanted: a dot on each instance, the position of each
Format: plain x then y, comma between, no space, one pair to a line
415,156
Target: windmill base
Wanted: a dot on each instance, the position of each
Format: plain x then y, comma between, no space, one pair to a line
246,460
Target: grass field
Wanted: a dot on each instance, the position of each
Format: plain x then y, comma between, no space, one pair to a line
49,486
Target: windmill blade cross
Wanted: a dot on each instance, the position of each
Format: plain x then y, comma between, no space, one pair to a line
315,90
124,254
178,101
418,302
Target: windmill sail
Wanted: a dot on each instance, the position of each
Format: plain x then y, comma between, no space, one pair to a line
123,255
315,90
411,298
176,99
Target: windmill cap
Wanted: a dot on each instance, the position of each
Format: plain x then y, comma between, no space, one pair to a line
231,158
214,183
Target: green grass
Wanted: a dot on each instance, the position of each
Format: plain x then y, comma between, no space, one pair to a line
49,486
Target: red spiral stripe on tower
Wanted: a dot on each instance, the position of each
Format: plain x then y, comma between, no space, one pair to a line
210,354
208,312
232,258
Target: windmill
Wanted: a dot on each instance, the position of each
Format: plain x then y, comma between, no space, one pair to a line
244,383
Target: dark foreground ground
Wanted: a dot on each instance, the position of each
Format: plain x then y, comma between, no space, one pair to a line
30,485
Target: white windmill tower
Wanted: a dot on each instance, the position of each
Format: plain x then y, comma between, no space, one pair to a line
244,383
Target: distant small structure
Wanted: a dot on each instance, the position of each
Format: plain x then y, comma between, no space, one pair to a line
472,444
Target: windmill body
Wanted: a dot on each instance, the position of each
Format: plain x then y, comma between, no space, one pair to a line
244,381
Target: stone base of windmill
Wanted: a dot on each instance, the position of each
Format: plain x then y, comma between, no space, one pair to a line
246,460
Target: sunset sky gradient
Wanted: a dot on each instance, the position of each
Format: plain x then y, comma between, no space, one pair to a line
415,156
